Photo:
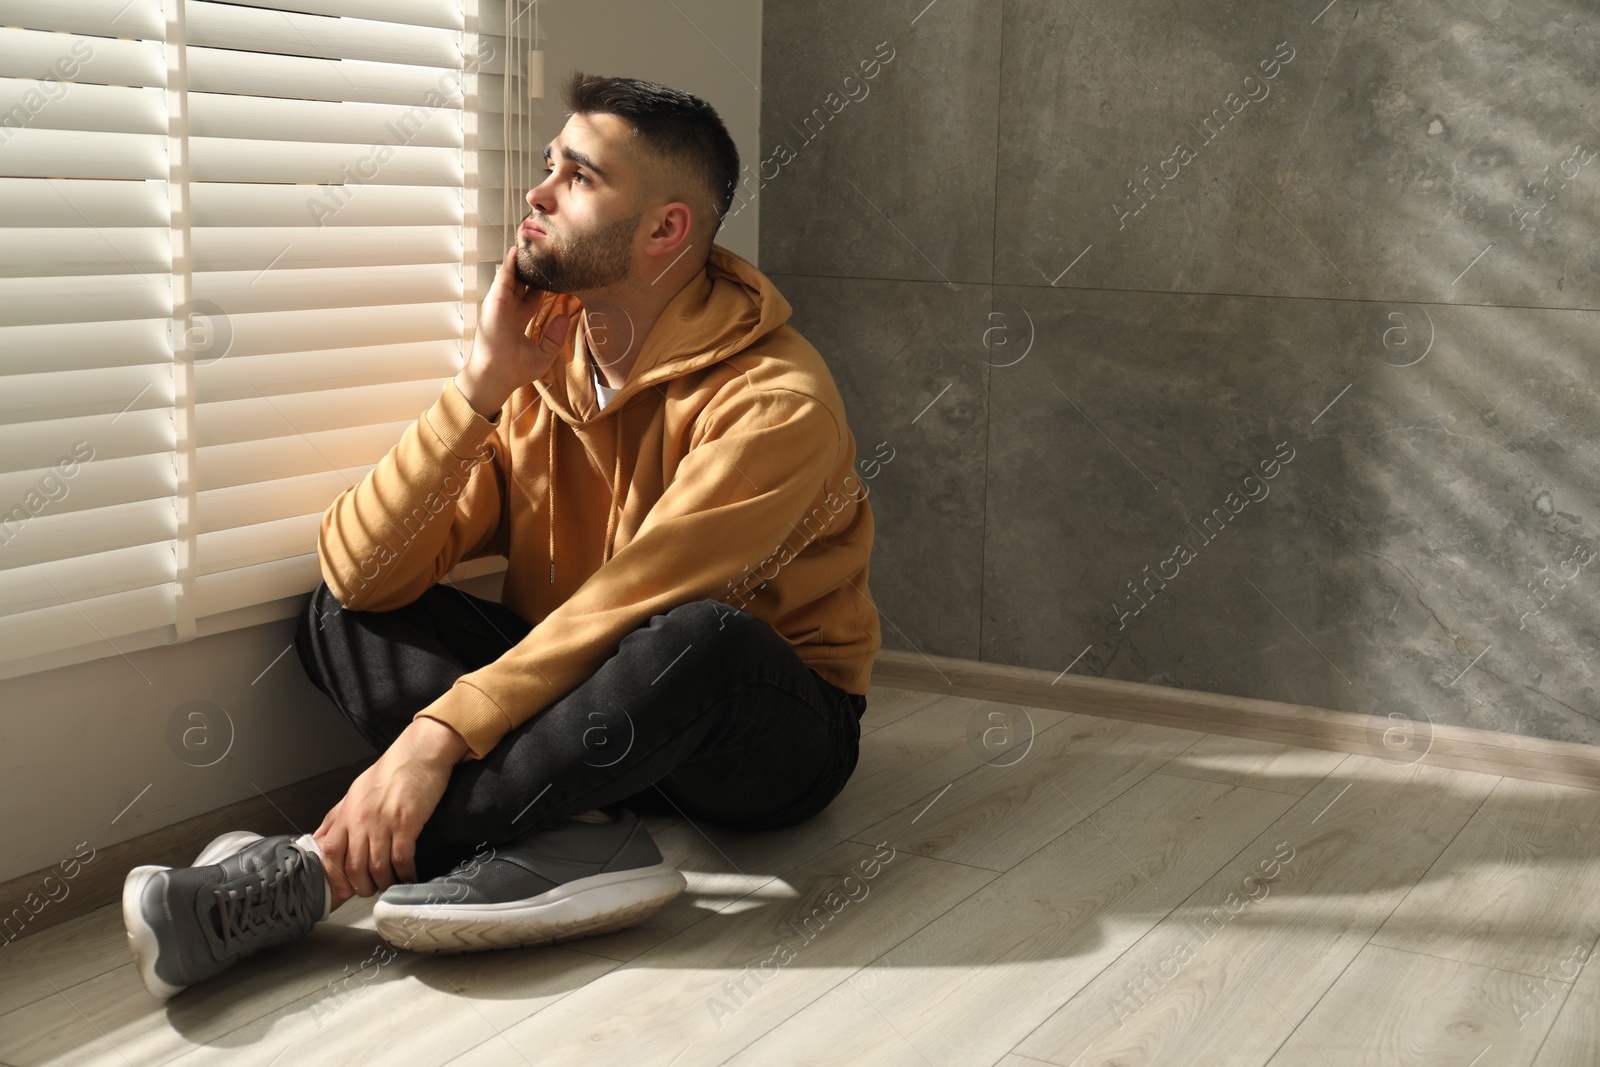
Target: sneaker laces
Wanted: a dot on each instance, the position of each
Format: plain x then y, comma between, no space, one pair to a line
287,898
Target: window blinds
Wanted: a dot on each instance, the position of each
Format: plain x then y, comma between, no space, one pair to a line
244,246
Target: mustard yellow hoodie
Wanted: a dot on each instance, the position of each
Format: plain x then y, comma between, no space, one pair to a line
723,469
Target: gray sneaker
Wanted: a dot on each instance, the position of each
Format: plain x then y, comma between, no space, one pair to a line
593,874
243,894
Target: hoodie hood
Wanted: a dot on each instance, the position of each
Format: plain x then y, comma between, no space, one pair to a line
722,310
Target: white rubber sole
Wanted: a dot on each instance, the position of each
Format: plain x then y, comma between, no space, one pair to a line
141,938
223,847
142,941
587,907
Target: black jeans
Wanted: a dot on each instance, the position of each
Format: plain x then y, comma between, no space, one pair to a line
704,710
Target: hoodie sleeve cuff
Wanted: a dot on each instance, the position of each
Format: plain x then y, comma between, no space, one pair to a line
472,715
456,424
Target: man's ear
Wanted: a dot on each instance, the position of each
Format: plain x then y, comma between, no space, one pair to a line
677,217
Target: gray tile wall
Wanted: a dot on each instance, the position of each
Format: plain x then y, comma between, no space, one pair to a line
1248,348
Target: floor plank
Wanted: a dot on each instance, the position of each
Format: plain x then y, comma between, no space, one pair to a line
1574,1039
1398,1009
111,1016
1014,951
1227,975
1257,764
417,1010
706,993
34,967
902,764
886,705
1529,854
998,813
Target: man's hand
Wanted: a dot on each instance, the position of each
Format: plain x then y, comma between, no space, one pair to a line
368,840
504,357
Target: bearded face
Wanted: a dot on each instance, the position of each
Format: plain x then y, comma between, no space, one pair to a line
566,261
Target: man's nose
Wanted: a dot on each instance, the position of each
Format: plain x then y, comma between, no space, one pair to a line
536,198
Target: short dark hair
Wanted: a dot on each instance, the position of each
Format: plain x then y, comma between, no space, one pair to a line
670,123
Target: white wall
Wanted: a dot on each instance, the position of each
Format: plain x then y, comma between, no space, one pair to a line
79,744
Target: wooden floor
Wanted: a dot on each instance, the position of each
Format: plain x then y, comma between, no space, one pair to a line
1100,893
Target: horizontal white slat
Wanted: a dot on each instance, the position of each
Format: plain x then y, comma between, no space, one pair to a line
91,628
72,393
270,501
102,18
251,615
36,152
498,217
258,334
494,133
48,545
270,592
51,253
41,153
238,592
97,60
217,70
64,346
114,108
221,466
240,378
349,124
492,18
220,159
489,65
491,211
262,542
40,300
289,290
493,241
491,165
289,33
299,415
245,377
82,480
301,248
138,432
245,205
491,89
443,14
85,203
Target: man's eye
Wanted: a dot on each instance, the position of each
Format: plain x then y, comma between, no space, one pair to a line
582,177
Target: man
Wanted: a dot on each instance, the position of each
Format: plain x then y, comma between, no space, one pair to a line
686,623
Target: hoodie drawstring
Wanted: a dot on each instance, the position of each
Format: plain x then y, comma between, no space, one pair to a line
616,490
552,435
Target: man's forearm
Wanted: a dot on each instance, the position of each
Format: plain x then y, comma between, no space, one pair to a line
436,739
417,513
486,397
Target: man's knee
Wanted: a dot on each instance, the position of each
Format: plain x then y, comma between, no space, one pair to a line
321,605
720,619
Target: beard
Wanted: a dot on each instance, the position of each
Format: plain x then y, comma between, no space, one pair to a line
589,261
